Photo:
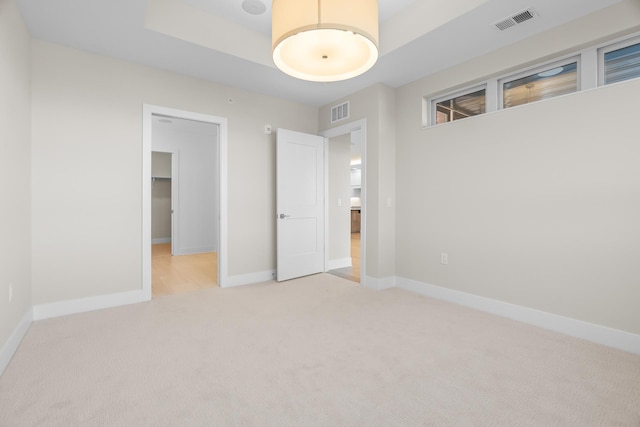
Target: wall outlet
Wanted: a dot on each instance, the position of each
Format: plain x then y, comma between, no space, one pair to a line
10,293
444,258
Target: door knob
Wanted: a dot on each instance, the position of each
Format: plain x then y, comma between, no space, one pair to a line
283,216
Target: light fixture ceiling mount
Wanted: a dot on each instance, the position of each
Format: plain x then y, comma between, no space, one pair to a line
324,40
254,7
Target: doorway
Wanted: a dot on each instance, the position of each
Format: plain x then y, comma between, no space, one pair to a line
344,207
346,210
180,260
197,227
163,192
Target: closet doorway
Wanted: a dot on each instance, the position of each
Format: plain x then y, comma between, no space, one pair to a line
184,235
185,206
163,190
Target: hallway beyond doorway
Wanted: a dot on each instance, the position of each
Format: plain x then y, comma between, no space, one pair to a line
351,273
182,273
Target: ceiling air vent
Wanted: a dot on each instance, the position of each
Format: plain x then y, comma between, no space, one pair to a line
340,112
516,19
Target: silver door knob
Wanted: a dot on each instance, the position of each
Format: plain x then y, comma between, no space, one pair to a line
283,216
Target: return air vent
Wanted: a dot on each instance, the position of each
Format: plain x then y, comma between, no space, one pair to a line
340,112
518,18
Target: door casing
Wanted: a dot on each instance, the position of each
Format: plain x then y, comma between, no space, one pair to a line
148,111
358,131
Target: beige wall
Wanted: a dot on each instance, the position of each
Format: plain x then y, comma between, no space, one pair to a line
385,178
537,205
375,104
87,168
15,180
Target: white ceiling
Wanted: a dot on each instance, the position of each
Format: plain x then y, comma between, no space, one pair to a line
217,40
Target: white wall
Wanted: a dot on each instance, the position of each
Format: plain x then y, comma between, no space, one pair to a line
536,205
87,168
195,145
339,203
15,171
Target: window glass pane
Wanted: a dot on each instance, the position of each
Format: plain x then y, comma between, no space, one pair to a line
543,85
622,64
461,107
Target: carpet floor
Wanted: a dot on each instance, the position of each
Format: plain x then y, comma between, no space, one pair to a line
316,351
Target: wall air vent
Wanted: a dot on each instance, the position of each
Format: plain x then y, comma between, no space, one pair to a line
340,112
518,18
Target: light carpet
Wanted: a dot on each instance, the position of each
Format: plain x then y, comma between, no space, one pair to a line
317,351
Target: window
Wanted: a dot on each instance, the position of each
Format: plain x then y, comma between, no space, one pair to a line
620,62
546,82
598,65
448,109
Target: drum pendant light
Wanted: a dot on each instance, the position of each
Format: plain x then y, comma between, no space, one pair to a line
324,40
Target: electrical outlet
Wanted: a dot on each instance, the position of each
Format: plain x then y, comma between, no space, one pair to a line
10,293
444,258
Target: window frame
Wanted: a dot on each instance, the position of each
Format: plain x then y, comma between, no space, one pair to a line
610,47
433,101
589,69
539,68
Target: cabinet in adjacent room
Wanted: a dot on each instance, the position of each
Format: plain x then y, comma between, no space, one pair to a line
355,220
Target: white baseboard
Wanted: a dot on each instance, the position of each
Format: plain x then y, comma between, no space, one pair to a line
248,279
379,284
577,328
161,240
11,346
334,264
63,308
197,250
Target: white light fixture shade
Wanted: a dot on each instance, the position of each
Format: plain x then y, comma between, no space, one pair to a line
324,40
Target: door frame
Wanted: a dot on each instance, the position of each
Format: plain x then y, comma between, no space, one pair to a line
148,110
358,131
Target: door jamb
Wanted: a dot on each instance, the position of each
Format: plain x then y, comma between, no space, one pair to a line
148,111
358,131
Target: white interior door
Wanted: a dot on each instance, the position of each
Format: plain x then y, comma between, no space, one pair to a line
300,204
